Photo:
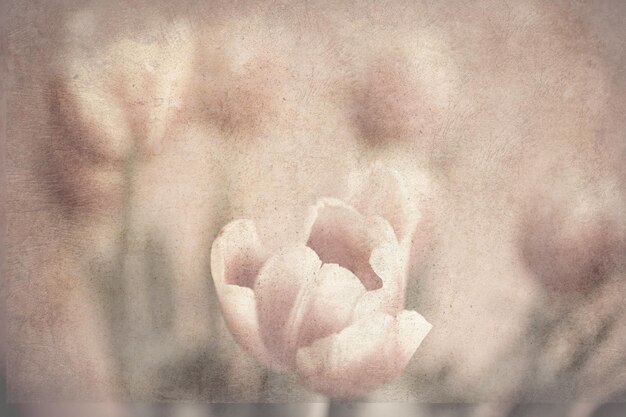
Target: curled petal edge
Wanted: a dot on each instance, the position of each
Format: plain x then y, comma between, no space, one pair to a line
340,234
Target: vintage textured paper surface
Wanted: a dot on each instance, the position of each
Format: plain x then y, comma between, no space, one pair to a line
384,168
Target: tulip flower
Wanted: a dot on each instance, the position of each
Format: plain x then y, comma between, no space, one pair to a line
329,308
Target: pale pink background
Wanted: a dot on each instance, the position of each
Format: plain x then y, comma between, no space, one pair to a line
511,115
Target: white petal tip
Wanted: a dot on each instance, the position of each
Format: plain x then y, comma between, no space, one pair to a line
412,328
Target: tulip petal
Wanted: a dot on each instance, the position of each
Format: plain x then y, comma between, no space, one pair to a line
282,290
340,235
237,255
331,303
362,357
236,258
240,314
385,194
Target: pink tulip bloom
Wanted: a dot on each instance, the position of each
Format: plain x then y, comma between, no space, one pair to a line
330,308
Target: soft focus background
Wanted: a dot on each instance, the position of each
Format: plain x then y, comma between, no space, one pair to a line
135,131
